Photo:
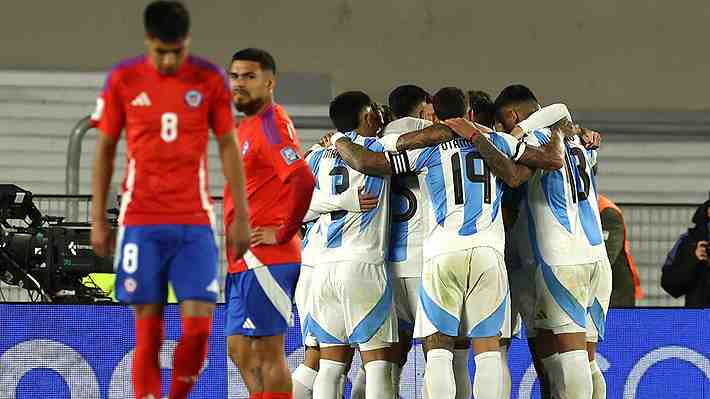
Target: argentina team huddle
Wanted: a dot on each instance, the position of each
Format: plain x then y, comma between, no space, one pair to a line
486,219
445,218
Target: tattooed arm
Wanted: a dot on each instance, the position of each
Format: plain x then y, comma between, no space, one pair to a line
432,135
362,159
377,163
500,164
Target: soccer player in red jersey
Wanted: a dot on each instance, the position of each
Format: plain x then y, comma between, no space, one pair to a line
260,285
166,101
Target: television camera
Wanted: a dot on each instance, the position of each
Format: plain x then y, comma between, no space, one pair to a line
44,254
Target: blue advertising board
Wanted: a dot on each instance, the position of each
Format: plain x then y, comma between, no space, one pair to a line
84,351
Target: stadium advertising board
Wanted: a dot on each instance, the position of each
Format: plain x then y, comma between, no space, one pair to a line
84,351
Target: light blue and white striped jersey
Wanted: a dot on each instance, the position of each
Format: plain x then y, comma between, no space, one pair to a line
347,235
310,251
407,225
589,215
322,202
562,226
463,196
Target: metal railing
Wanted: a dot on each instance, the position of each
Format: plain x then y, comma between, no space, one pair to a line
82,127
652,231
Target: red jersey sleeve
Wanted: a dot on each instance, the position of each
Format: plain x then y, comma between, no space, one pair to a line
281,144
109,115
221,115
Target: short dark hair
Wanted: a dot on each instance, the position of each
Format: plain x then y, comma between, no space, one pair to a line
482,107
167,21
404,99
450,102
345,110
514,95
265,60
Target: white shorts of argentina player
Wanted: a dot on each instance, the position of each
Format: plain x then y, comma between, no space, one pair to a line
464,293
566,298
351,304
596,315
406,298
302,298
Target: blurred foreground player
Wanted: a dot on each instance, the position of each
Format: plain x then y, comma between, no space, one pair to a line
260,286
166,101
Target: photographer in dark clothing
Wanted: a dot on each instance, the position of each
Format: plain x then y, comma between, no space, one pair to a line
686,271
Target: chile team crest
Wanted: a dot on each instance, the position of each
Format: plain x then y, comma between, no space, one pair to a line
193,98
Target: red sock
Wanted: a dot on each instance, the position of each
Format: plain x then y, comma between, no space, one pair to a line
146,360
189,355
257,395
276,395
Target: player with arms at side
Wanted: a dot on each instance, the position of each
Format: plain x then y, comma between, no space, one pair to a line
166,100
260,285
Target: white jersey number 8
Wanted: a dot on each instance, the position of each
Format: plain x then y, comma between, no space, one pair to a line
169,127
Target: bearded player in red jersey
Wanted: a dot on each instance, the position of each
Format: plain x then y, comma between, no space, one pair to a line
260,286
166,101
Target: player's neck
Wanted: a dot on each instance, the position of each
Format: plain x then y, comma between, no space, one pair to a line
267,102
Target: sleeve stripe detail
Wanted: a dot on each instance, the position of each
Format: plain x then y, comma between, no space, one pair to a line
268,123
519,150
399,162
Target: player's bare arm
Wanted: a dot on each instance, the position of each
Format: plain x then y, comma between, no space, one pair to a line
548,157
513,174
432,135
362,159
376,163
101,181
238,234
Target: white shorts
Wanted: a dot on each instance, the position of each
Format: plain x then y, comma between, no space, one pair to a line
596,316
352,304
565,295
302,298
522,299
463,293
406,297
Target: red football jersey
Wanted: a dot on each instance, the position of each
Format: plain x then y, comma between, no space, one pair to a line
271,152
167,119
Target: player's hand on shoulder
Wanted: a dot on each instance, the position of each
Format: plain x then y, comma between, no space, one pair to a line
239,237
265,235
367,201
101,237
591,139
325,140
463,127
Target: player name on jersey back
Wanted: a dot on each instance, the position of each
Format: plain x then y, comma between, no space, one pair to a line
463,196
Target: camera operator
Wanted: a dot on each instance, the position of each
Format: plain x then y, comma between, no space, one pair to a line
688,272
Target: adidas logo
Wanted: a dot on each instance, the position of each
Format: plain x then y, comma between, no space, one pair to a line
248,324
141,100
541,315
